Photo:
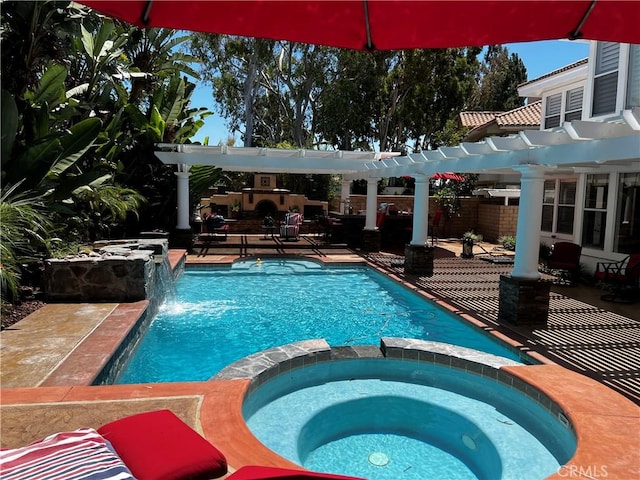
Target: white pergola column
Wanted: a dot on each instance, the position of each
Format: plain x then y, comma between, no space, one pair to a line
529,218
345,191
183,196
372,203
420,234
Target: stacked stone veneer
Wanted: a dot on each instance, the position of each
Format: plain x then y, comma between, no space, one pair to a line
418,260
524,302
121,271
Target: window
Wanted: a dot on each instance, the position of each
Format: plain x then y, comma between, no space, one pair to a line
558,210
627,237
595,211
633,80
573,105
265,181
605,82
552,111
563,107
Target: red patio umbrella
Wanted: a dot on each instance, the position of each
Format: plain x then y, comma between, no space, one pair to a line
442,176
448,176
389,24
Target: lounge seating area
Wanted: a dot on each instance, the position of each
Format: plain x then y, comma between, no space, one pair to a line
155,445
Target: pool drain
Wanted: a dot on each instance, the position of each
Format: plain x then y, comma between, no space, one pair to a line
469,442
378,459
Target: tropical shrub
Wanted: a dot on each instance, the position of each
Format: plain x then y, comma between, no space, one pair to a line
508,242
24,237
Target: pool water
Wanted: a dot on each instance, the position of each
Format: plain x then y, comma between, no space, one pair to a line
384,419
223,314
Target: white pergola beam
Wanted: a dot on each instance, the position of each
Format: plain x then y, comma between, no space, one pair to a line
613,143
539,138
583,130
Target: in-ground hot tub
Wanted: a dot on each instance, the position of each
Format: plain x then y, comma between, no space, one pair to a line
448,412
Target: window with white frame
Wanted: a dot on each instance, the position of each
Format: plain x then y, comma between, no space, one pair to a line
633,79
595,211
627,236
558,206
573,104
552,111
605,81
563,107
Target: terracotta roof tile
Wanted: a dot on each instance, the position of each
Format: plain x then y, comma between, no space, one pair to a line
475,119
526,116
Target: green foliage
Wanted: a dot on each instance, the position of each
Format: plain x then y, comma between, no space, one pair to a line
308,95
84,100
448,201
202,177
60,249
508,242
471,235
501,74
23,233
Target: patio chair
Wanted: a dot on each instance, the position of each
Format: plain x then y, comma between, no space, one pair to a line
621,278
434,226
290,229
215,225
565,256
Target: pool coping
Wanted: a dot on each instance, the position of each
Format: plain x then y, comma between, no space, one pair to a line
599,415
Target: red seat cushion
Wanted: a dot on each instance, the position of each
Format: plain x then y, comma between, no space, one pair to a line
160,446
252,472
609,276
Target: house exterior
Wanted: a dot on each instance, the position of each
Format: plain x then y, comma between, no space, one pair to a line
598,208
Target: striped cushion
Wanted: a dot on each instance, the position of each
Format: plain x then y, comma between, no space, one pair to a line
79,455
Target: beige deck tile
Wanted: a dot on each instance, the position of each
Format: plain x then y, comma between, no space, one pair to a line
35,346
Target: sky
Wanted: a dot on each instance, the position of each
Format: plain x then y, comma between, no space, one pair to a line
539,58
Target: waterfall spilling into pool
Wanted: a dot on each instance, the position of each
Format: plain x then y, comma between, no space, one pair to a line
222,314
165,289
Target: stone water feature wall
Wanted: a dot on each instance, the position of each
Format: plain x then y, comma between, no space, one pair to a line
121,271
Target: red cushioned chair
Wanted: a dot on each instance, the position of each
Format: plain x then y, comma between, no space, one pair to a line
160,446
622,278
434,226
252,472
566,256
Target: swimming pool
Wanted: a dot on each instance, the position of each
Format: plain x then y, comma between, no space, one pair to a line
385,419
221,314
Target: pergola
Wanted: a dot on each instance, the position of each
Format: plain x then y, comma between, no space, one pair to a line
577,147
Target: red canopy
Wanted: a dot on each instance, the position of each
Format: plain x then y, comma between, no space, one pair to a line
448,176
389,24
